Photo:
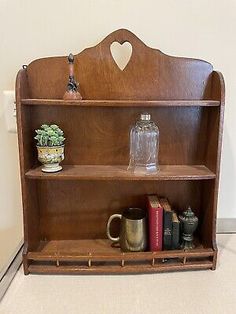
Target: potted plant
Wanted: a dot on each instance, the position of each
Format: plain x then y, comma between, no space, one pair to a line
50,139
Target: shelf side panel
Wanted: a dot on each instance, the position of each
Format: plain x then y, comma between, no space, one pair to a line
213,159
27,159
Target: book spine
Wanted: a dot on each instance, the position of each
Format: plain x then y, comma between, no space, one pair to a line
167,230
155,228
175,235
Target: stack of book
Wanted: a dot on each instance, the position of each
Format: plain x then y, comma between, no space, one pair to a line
164,225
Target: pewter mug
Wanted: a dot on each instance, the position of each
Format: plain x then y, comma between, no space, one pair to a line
133,230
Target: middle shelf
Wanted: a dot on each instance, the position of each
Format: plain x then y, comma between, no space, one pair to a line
116,172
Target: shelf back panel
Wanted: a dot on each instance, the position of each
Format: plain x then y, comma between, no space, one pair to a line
149,74
80,210
101,137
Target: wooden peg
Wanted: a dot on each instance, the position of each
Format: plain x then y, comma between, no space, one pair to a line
122,261
89,261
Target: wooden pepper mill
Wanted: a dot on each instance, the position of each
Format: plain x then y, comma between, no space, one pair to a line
72,87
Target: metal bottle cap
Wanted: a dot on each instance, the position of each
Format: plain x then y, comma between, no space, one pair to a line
145,116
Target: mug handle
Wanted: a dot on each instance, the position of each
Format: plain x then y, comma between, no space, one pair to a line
108,227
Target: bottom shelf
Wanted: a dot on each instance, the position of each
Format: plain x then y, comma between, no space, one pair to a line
99,257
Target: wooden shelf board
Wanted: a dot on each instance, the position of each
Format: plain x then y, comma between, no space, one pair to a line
102,250
120,103
61,256
46,269
103,172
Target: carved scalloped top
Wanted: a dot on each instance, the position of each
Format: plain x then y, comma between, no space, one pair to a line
149,74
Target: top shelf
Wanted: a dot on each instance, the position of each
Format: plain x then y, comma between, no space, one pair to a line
121,103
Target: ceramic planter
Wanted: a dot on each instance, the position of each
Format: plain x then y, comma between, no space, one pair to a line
50,157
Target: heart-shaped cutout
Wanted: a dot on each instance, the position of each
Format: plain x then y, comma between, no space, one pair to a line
121,54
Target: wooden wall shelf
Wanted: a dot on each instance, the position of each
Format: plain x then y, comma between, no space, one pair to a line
99,172
65,213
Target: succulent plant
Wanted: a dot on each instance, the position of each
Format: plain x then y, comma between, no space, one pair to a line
49,135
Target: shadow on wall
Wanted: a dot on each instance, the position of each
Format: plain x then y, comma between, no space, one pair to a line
9,246
227,186
10,197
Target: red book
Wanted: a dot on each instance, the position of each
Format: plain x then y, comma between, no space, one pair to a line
155,217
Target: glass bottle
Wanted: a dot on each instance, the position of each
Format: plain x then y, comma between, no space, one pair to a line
144,146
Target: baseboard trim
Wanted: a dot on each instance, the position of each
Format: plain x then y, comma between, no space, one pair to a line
10,272
226,225
11,258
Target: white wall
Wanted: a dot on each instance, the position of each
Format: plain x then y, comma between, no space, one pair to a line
33,29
